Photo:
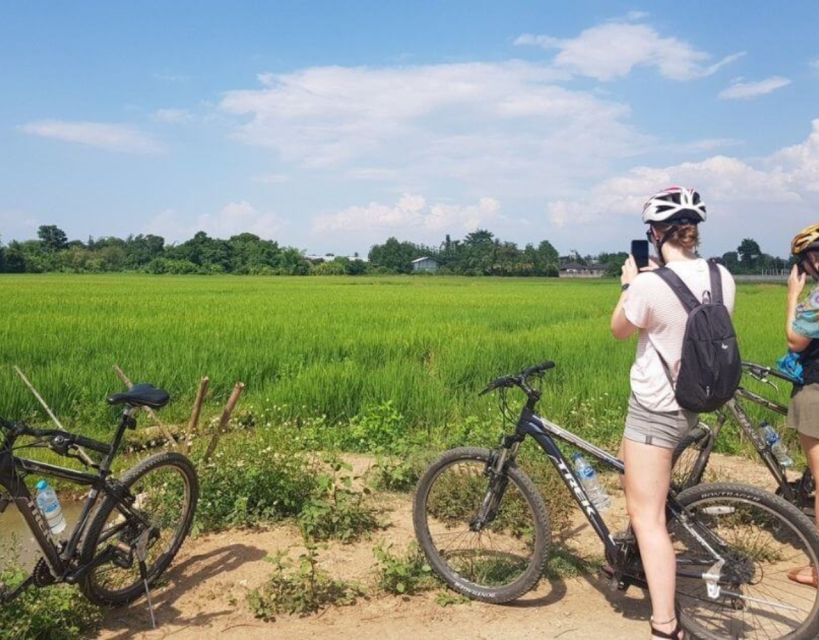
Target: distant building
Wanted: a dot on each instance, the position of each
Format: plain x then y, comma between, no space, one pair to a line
425,264
577,270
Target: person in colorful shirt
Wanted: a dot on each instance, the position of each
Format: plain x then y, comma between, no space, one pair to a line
802,332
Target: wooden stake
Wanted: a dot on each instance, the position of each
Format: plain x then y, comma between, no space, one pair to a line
193,425
85,457
223,421
121,375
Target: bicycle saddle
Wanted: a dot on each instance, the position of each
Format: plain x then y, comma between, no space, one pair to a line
141,395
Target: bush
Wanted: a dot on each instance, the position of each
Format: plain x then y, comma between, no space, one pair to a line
250,481
403,574
335,509
380,429
302,591
54,613
397,473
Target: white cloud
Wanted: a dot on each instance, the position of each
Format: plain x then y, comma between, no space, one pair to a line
612,50
410,217
173,116
232,219
739,90
272,178
111,137
767,199
814,64
469,124
635,16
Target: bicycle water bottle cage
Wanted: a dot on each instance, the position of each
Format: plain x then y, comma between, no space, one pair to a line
141,395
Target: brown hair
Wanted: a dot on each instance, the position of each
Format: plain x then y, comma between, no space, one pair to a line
685,236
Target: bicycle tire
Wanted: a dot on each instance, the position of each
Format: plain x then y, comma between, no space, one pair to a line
762,537
690,458
443,513
157,497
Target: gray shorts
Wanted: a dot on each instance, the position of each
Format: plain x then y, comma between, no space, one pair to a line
803,410
658,428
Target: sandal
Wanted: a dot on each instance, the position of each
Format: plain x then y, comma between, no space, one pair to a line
798,576
673,635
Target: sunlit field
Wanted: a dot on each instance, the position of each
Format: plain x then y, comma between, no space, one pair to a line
331,346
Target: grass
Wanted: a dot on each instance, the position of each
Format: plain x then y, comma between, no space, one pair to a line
331,349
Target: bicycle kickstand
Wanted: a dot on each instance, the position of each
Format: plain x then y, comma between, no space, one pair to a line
141,554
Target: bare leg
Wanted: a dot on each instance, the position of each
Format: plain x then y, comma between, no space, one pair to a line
646,481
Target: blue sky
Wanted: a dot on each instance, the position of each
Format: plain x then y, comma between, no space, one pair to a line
330,126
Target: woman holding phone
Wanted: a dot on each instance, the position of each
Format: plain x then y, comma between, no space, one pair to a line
802,333
655,423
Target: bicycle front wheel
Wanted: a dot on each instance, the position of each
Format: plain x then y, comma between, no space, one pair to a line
485,534
762,539
165,490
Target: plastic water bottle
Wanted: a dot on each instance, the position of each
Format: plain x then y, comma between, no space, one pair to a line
778,448
49,505
591,483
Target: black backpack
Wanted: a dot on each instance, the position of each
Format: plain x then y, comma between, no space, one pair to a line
711,366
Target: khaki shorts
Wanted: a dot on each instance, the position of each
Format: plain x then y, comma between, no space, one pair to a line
659,428
803,411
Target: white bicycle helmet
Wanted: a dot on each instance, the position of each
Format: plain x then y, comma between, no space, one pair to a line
675,205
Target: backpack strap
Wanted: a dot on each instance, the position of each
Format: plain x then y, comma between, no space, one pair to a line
716,282
688,299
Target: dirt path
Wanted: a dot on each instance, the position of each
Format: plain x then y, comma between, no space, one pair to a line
205,595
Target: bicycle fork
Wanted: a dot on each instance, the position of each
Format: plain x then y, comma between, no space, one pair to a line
496,472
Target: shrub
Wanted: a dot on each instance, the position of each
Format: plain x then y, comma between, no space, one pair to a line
403,574
335,509
302,590
250,481
55,613
397,473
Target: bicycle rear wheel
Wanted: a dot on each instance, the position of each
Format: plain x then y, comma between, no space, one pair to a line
165,490
485,535
690,458
762,538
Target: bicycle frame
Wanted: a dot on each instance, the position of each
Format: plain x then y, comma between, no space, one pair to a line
58,556
544,432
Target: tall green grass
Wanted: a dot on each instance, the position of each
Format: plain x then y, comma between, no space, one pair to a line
330,346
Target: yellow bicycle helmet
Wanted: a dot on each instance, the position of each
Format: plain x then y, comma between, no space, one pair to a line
805,240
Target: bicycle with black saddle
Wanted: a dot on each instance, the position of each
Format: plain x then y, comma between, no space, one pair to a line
130,527
484,529
694,451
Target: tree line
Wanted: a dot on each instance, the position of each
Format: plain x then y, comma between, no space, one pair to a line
478,253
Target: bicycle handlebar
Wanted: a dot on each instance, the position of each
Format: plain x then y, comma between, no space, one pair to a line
61,441
520,379
761,372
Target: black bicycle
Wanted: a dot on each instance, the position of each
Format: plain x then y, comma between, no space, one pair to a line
484,529
692,454
130,527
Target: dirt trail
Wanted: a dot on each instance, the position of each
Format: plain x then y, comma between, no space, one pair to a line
205,594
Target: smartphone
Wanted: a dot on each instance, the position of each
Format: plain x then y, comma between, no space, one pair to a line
639,249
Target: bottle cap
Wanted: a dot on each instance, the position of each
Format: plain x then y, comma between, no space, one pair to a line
42,484
576,455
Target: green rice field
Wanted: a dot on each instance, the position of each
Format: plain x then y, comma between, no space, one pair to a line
331,346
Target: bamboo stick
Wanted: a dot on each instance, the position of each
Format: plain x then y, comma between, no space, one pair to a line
81,452
193,425
223,421
165,431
